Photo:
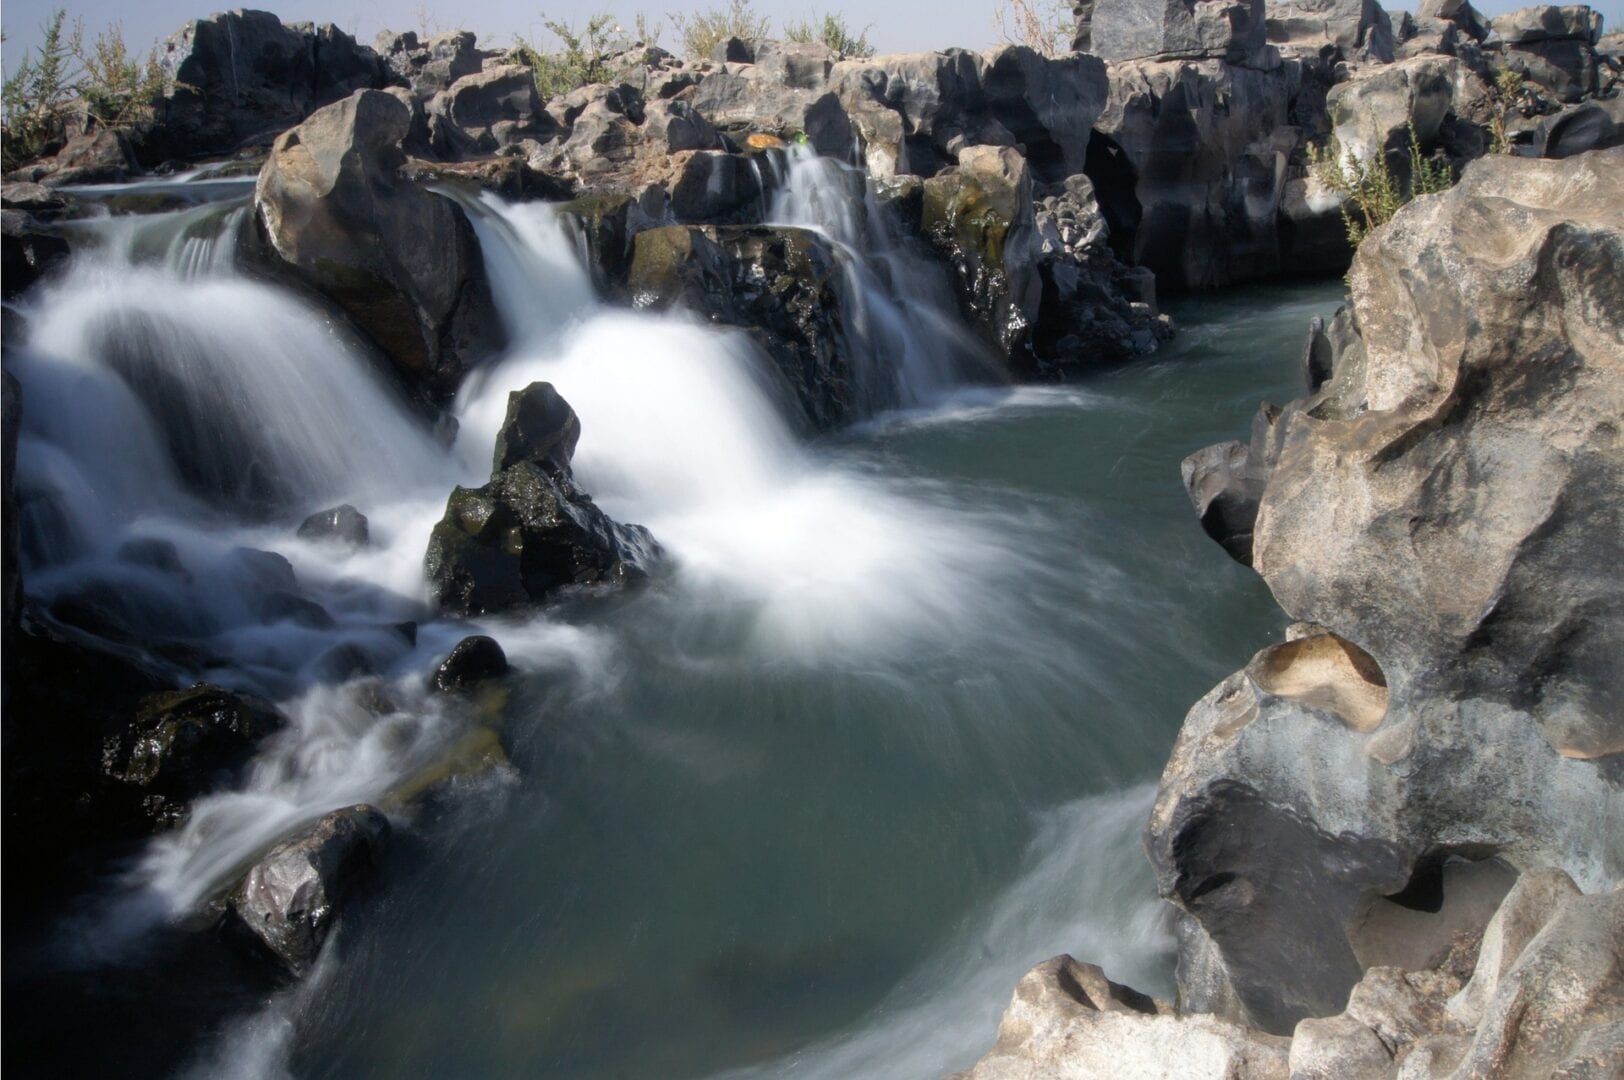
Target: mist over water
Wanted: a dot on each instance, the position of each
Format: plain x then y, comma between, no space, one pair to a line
876,739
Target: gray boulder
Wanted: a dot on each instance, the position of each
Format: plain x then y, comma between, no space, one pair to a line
487,111
1443,513
403,264
1552,47
1525,992
1343,29
292,897
343,525
1231,30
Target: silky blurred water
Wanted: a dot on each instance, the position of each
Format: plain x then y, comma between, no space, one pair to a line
730,849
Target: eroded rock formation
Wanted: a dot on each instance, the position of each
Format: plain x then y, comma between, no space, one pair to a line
1443,515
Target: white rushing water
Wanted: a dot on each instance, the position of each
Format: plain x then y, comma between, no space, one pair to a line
168,399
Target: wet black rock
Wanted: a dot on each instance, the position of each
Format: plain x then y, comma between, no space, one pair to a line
782,286
342,524
540,427
183,743
292,897
530,531
476,659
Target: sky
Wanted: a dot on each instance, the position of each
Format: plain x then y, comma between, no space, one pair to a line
893,25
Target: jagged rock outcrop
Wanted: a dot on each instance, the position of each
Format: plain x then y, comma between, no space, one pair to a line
431,66
183,743
979,217
403,264
782,286
1340,29
531,530
292,897
1535,991
1443,514
487,111
1552,46
1171,29
242,77
1438,97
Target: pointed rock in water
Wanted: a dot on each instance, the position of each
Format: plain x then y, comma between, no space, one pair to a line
341,524
522,537
540,427
184,743
475,659
402,263
293,896
530,531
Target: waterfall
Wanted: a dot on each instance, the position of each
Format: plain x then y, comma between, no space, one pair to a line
910,347
681,431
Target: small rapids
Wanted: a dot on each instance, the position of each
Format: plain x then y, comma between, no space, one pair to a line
872,741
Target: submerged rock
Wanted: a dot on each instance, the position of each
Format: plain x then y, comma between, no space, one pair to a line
183,743
293,896
342,524
1445,510
474,660
530,531
402,263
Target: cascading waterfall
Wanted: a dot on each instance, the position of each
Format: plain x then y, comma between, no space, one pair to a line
925,656
910,347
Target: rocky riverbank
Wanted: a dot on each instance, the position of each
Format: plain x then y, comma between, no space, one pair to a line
1439,514
1438,737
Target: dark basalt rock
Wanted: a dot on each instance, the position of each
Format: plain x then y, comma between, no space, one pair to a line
341,525
540,427
531,531
183,743
28,251
243,77
783,286
476,659
292,897
403,264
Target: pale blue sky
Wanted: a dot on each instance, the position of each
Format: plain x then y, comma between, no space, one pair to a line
895,25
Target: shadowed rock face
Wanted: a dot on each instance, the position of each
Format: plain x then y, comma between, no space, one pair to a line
1526,988
1446,509
402,263
243,76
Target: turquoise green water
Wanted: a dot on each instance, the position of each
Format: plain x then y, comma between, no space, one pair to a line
723,849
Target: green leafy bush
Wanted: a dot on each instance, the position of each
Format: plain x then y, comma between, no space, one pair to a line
579,57
1507,88
702,32
1372,191
832,31
36,98
117,90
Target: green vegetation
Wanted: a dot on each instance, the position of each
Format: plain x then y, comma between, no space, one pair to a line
1373,191
117,90
580,57
702,32
1045,26
832,31
1507,88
